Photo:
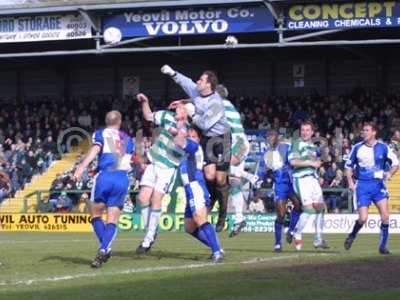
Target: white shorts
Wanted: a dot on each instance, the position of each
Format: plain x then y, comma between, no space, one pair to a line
237,171
160,179
308,189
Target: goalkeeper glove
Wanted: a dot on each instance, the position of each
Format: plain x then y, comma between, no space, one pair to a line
167,70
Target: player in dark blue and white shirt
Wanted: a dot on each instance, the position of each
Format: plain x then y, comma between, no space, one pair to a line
114,149
367,164
197,196
276,158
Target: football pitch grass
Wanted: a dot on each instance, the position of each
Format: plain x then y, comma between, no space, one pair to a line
56,266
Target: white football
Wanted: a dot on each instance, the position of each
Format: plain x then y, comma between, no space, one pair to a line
231,40
112,35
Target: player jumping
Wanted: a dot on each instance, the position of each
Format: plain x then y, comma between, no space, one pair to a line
368,159
210,119
239,150
305,161
114,149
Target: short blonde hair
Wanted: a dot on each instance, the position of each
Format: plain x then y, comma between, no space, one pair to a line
113,118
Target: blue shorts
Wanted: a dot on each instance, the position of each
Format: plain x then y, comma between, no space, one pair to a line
369,191
197,197
111,188
282,191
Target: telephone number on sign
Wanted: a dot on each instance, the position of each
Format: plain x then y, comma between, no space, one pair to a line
76,34
77,26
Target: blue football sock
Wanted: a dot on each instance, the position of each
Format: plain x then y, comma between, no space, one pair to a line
384,236
278,233
209,232
109,236
99,227
201,236
356,229
294,217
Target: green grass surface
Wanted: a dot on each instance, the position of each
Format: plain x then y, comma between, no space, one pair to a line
56,266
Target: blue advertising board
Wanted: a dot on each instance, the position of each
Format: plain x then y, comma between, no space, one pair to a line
258,144
191,21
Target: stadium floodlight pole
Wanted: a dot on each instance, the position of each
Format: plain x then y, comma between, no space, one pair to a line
130,41
312,34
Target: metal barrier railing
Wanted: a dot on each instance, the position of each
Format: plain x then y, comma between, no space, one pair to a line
32,200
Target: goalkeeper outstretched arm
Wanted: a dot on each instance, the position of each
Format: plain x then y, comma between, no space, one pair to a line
187,84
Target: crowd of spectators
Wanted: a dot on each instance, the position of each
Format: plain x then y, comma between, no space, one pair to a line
27,146
338,123
29,131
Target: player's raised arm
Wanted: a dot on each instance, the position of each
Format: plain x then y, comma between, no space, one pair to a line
147,113
187,84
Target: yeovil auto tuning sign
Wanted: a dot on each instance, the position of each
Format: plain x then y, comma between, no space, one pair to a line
191,21
367,14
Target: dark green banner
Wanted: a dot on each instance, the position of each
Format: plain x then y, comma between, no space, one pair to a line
176,222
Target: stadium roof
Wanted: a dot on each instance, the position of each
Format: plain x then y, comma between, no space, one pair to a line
93,10
18,7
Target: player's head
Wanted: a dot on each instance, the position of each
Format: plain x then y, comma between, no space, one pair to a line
396,135
183,110
222,91
272,137
207,83
369,131
194,134
306,130
113,119
180,112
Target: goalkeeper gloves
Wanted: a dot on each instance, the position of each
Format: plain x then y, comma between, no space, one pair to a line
167,70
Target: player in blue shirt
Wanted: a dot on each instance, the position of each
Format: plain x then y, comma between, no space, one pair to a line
367,164
114,149
276,159
197,196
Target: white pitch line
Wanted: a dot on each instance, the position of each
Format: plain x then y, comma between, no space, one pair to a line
90,240
58,241
140,270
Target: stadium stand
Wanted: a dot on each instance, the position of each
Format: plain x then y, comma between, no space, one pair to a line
335,135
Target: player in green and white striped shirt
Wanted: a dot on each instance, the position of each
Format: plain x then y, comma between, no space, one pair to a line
305,161
239,150
165,157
